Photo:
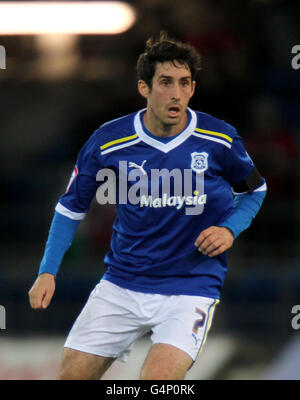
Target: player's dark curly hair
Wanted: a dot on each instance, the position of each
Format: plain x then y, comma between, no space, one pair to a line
166,49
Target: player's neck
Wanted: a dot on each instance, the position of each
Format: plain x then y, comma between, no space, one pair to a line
157,128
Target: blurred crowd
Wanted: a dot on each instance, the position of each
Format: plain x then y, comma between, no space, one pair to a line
56,91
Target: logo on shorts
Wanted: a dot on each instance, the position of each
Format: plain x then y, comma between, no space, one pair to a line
199,161
196,339
198,323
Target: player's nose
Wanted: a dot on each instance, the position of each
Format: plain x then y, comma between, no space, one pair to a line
175,94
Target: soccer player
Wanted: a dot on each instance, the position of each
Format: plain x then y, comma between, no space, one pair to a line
185,188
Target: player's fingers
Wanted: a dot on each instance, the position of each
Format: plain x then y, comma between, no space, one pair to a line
47,299
202,237
35,299
208,242
213,245
219,250
205,234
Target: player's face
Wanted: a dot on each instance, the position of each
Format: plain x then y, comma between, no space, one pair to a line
167,100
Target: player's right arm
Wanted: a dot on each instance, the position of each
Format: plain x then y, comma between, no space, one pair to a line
60,238
70,210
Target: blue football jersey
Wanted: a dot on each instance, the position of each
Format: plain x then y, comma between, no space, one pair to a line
166,191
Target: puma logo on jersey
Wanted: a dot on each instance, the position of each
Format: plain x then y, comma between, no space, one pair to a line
140,167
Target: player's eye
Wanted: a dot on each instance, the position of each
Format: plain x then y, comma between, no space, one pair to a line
185,83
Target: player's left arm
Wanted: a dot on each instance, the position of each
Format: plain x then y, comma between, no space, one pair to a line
249,194
248,198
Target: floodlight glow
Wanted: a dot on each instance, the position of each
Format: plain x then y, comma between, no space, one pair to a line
31,18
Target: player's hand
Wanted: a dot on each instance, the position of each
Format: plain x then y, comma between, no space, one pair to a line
42,291
214,240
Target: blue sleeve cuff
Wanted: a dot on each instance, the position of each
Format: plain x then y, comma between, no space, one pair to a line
245,208
61,234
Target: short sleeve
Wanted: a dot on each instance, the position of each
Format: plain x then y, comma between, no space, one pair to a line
237,163
82,185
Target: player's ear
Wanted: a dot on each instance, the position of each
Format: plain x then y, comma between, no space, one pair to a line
143,88
193,87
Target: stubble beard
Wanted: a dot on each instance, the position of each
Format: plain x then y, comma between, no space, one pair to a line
165,127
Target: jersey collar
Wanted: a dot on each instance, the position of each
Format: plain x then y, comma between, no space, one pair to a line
171,144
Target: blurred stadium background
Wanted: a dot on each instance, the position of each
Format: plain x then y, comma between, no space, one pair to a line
55,92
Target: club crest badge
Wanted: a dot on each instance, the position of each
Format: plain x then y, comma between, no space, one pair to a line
199,162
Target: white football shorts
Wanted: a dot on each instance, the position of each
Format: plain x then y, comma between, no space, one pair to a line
114,318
